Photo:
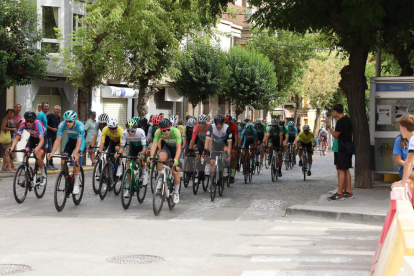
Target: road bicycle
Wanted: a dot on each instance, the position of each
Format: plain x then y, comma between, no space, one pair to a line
26,179
164,187
304,163
257,160
188,167
289,159
323,148
132,175
218,179
267,160
199,174
97,171
153,173
274,165
65,183
109,179
248,167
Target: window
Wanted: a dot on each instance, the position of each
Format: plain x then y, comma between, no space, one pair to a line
50,20
50,47
76,23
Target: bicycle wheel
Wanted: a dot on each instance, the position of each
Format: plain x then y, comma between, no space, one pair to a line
185,173
246,169
196,178
154,175
258,167
118,179
20,184
221,183
158,197
304,164
142,189
266,160
78,198
60,194
273,171
105,181
213,187
286,161
228,177
206,182
251,175
39,190
170,202
127,187
97,170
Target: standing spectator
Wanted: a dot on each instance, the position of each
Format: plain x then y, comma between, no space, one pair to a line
177,116
42,118
89,130
209,117
17,117
401,152
161,116
298,128
150,120
342,159
8,124
53,121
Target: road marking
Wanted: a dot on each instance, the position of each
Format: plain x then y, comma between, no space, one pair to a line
338,272
301,259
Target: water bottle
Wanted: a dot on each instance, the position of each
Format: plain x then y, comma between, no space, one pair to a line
70,174
113,168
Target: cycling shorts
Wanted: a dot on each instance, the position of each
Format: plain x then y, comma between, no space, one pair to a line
260,137
70,147
291,140
306,146
170,151
134,150
111,146
33,142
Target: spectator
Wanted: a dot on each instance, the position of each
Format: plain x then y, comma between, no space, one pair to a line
150,120
17,117
53,121
161,116
89,132
177,116
8,124
181,127
264,122
342,159
298,128
401,152
209,117
247,120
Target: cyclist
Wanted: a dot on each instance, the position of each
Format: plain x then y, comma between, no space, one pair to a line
292,134
137,140
152,128
249,137
36,142
235,142
323,137
188,130
305,140
261,133
219,138
274,137
102,122
199,138
171,149
74,145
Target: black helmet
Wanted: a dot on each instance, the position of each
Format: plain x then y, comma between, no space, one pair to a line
30,115
242,123
164,123
143,121
219,119
282,122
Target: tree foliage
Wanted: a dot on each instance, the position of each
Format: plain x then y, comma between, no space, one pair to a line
20,61
201,71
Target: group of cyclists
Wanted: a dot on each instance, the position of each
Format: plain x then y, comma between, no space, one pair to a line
164,139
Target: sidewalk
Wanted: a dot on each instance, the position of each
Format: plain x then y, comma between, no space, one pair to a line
368,206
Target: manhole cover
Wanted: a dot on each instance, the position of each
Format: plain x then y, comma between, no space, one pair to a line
135,259
7,269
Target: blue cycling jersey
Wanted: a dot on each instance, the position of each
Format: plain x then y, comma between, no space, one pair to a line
292,132
240,130
77,132
252,136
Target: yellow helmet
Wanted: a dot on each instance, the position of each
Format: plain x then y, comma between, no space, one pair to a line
132,124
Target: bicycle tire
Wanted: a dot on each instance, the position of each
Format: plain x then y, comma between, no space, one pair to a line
196,180
158,197
118,179
39,190
153,175
186,176
206,182
246,169
142,189
105,177
305,163
78,198
126,187
58,191
220,184
25,183
258,167
95,183
273,169
170,202
228,177
213,183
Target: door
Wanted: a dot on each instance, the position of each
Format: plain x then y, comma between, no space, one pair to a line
116,109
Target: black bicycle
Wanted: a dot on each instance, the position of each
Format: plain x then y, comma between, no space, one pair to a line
304,163
217,178
109,179
274,165
188,167
199,174
97,171
289,161
65,183
26,179
248,167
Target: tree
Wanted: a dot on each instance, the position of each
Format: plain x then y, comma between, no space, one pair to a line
20,61
252,80
201,71
352,26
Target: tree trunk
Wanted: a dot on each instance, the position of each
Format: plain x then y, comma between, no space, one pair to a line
194,106
143,97
354,84
83,104
318,113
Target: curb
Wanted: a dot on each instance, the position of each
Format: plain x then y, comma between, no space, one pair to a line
338,216
11,175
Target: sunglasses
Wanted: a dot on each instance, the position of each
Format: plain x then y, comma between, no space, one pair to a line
131,130
219,124
69,121
166,130
30,122
113,128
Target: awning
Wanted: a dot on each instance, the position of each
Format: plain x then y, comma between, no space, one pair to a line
118,92
291,114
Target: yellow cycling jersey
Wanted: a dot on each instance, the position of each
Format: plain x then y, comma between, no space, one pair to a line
306,138
116,137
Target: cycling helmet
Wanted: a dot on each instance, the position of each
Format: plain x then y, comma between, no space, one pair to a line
164,123
143,121
291,124
305,127
274,122
202,118
155,120
282,122
191,122
227,118
70,115
323,129
112,123
30,115
174,121
211,121
258,121
249,128
132,124
136,119
103,118
219,119
234,120
242,123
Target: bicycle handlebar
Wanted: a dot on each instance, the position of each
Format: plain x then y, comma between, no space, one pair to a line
23,150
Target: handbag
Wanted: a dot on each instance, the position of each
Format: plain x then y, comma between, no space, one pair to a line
5,137
349,147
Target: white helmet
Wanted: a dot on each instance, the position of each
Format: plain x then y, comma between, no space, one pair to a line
112,123
202,118
323,129
103,118
173,120
191,122
212,122
258,121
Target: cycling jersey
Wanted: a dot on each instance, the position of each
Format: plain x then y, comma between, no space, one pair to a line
172,140
35,131
98,126
323,134
261,129
275,132
76,132
116,137
248,139
219,136
188,134
151,132
138,140
239,130
306,138
292,132
200,133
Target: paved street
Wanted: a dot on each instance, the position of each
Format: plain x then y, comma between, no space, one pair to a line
242,233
